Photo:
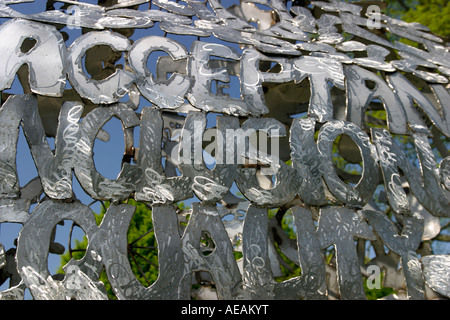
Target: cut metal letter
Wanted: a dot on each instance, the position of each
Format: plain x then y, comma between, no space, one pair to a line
360,96
201,95
338,227
104,91
167,94
424,182
45,59
97,186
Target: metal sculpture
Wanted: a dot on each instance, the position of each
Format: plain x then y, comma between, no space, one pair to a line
309,74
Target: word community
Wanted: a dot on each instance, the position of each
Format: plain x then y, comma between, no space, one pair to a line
231,309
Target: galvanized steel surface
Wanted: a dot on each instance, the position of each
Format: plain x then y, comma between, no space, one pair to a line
328,63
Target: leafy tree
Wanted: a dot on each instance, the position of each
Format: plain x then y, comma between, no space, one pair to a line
431,13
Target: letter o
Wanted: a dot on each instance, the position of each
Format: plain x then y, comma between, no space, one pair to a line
360,194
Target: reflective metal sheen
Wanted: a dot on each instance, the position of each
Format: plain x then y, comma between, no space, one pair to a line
308,149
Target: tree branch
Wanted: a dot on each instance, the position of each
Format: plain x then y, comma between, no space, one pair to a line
443,237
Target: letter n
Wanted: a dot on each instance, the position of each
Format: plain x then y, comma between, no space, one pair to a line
54,168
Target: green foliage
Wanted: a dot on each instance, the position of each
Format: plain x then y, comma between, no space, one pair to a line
375,294
433,14
287,223
397,8
142,247
288,268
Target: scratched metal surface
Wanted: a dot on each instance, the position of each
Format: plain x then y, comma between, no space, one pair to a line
307,76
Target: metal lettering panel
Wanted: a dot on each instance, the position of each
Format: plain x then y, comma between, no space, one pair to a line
273,151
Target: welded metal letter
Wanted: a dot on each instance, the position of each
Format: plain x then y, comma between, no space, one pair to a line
97,186
338,226
39,46
169,94
201,95
55,169
103,91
